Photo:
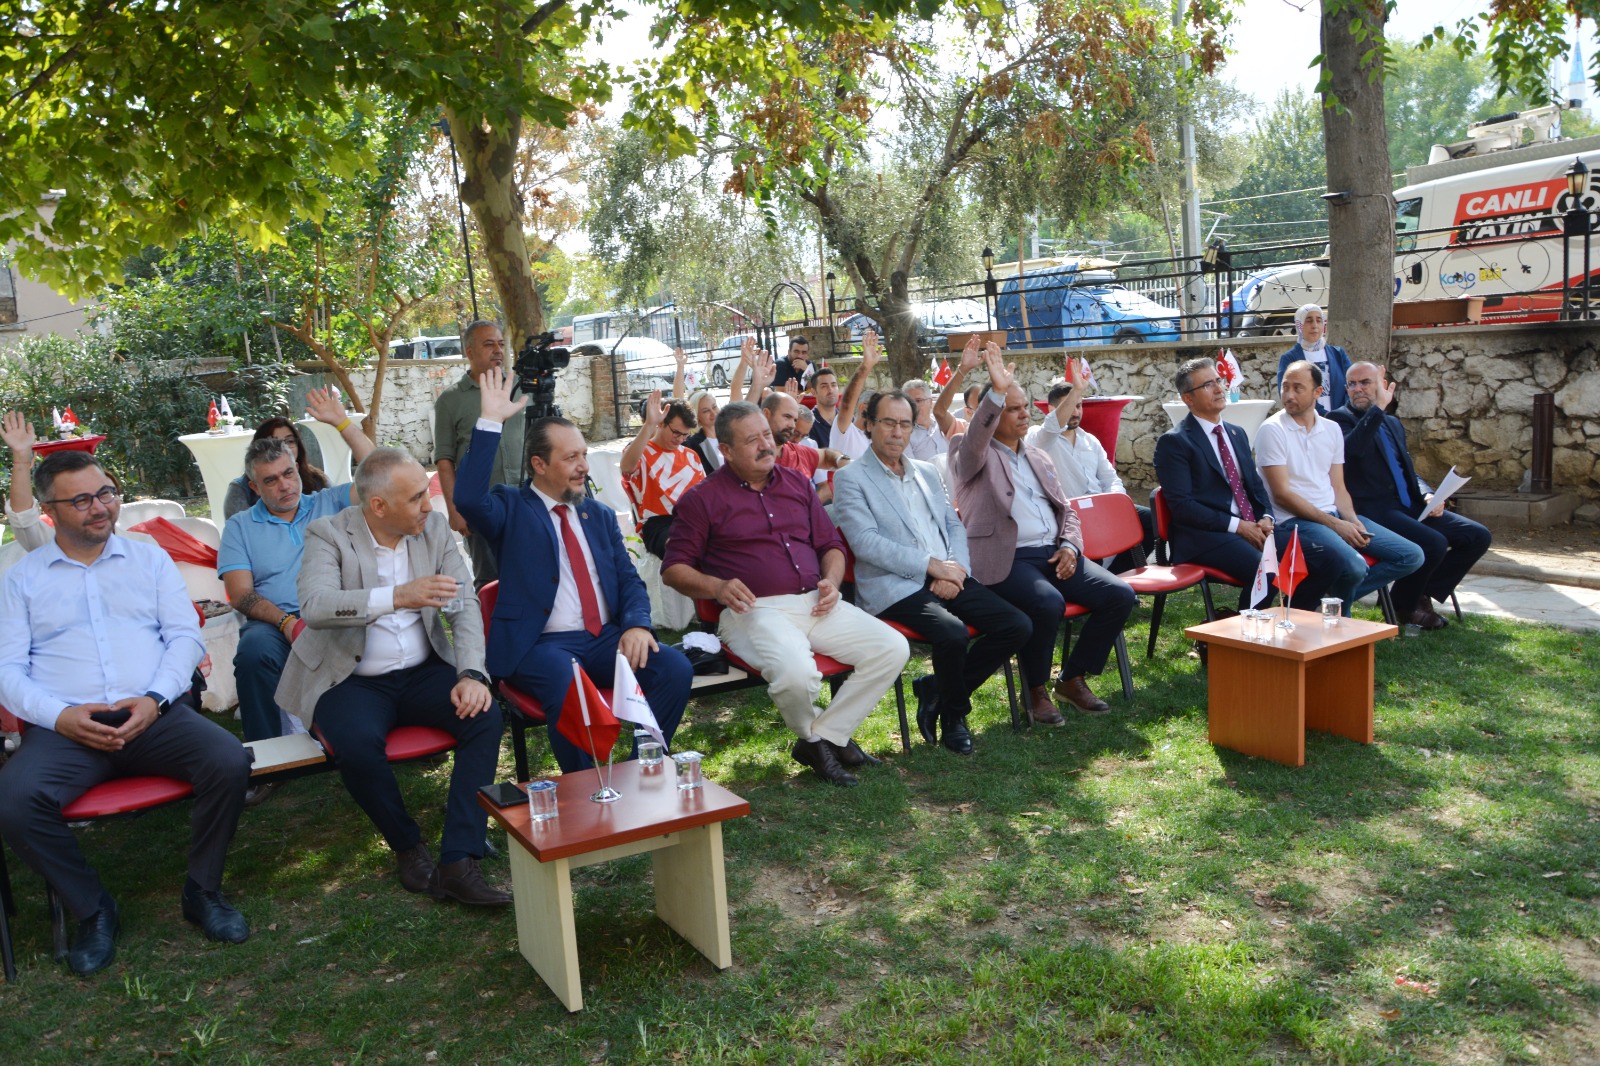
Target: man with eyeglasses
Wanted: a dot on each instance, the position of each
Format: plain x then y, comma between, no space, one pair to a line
657,469
926,440
913,568
98,646
1221,515
259,563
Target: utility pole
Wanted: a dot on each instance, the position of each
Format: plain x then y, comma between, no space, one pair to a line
1194,289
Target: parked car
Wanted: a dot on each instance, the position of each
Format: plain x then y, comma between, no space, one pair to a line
426,348
722,360
1069,307
649,363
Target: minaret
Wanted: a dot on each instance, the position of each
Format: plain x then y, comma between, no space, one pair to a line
1577,93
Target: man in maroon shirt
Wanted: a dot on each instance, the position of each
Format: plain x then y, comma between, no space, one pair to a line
754,537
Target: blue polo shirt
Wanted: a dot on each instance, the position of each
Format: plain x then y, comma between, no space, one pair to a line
270,548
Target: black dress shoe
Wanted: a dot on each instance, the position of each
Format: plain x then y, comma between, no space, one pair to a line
956,736
214,914
96,944
463,882
819,756
926,690
852,754
415,867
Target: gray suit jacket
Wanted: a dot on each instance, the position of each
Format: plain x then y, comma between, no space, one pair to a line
890,564
336,573
981,475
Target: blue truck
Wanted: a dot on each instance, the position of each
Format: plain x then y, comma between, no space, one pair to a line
1070,307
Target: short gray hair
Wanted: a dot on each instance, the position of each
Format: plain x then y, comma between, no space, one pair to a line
376,472
473,327
1180,380
265,450
731,413
919,385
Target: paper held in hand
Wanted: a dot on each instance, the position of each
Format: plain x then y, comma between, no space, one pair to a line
1447,488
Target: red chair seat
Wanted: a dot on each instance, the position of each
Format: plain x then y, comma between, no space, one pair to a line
415,742
915,637
124,795
1148,580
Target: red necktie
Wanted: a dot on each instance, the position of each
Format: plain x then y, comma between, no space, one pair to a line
1246,512
580,574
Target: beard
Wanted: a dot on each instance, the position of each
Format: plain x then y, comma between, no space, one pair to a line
572,497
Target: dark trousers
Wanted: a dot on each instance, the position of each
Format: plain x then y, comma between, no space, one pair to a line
1450,546
257,667
545,673
958,668
485,565
1033,587
49,771
654,532
1236,558
356,716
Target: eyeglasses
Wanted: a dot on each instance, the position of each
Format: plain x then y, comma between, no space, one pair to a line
83,500
679,434
1214,383
896,423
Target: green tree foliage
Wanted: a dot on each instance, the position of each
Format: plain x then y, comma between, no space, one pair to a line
1278,198
1431,95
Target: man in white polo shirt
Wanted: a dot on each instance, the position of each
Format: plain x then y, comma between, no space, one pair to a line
1301,458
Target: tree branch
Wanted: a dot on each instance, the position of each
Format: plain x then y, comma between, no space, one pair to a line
542,15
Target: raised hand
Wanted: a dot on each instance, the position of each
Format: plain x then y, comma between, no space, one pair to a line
654,414
679,358
324,406
1383,392
871,354
1001,376
792,387
17,432
971,355
495,389
747,351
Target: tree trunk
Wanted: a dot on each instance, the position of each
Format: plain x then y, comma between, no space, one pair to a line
1361,230
904,358
489,189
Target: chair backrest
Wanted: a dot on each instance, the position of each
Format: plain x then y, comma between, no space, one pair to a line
1109,524
488,596
708,612
202,529
136,511
1163,522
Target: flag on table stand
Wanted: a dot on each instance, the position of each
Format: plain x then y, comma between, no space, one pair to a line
1228,369
1262,587
631,706
585,719
1289,577
224,410
68,419
942,376
212,416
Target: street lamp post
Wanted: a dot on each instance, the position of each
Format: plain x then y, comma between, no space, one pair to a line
1577,221
830,279
989,295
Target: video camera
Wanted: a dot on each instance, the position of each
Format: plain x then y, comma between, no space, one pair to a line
536,367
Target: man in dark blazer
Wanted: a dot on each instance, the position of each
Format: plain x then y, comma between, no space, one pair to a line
1383,483
1025,544
377,582
1214,523
568,589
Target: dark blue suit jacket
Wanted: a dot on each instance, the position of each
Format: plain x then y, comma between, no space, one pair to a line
1338,367
1366,472
515,521
1196,488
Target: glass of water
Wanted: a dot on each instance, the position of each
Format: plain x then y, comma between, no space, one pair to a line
1332,608
688,763
542,801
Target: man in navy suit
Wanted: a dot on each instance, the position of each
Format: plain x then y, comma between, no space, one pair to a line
568,590
1221,515
1384,484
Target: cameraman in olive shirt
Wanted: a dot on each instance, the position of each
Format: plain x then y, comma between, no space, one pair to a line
455,413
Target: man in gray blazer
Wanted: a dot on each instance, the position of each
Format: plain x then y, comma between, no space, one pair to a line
912,568
1027,547
373,581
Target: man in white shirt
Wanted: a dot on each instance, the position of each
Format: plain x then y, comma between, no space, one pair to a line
1082,466
376,583
1301,456
926,439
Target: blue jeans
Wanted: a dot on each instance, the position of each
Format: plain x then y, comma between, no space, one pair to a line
1334,568
257,666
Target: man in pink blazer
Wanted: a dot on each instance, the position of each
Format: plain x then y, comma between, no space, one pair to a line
1025,545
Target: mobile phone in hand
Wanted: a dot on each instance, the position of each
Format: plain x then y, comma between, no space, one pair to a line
114,719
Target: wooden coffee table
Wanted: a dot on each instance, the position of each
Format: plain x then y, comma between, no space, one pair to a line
1263,697
683,830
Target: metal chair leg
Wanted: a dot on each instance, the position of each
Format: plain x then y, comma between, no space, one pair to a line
8,957
58,924
1156,608
1123,668
1456,604
900,704
1386,602
1011,698
1205,593
519,745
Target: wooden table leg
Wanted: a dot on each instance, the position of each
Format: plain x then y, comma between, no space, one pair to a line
1256,704
1339,694
692,892
546,932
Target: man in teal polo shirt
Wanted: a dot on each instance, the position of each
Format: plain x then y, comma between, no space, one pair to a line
259,562
455,414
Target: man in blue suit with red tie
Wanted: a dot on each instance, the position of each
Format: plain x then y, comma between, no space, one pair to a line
1221,514
568,589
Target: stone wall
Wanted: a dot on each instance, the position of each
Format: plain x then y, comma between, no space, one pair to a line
411,386
1466,396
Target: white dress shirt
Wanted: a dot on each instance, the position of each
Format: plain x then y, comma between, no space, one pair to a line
396,639
1211,439
566,614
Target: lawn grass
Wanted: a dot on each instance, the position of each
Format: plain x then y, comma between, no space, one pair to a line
1113,891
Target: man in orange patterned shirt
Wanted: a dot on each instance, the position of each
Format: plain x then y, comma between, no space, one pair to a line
657,469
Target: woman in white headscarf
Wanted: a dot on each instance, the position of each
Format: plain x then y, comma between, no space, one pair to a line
1310,326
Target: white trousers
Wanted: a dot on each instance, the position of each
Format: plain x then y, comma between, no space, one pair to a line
775,637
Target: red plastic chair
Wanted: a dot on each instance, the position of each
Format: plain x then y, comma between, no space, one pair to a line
1163,519
1385,598
1110,525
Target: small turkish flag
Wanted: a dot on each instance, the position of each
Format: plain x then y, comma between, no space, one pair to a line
942,377
1292,570
586,718
211,415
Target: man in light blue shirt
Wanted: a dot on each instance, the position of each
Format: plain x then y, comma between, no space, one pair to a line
259,563
98,645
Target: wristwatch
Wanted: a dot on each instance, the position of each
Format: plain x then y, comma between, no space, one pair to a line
163,705
473,675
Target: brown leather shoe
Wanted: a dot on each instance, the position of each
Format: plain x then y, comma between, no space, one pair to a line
1075,691
416,868
1040,709
1427,618
819,756
463,882
853,755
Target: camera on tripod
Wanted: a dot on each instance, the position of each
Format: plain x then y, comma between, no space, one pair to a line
536,367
